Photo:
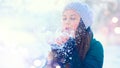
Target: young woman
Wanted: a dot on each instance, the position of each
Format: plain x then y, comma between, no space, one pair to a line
77,48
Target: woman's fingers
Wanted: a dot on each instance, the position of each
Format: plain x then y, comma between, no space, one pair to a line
58,41
61,40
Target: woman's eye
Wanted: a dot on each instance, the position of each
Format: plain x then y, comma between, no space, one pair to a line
64,18
72,18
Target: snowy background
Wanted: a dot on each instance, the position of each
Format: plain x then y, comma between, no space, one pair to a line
26,25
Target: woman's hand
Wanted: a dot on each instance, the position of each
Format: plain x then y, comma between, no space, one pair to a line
50,57
49,60
58,38
61,39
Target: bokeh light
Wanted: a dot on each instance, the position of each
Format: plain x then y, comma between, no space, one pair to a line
114,19
117,30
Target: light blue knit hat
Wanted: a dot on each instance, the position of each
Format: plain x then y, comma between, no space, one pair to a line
83,10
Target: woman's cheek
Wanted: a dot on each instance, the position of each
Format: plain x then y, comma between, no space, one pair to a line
74,26
63,27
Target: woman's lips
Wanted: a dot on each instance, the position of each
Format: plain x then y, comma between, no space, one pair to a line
67,28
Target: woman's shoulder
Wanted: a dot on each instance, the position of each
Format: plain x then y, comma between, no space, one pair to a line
95,55
96,50
96,45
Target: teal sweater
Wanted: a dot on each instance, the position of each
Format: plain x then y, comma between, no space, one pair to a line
93,59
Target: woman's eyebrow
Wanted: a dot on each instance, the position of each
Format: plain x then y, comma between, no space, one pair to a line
64,15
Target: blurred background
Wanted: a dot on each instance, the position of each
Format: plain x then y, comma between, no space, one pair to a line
26,25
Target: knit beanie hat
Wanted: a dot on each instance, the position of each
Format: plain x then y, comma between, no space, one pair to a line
83,10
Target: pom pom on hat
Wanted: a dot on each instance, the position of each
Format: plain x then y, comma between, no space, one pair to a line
83,10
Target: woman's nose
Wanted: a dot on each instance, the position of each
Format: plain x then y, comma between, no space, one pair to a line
67,22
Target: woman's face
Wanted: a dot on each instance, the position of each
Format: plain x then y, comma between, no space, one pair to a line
70,20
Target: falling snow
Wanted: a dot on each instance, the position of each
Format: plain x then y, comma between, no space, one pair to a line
64,55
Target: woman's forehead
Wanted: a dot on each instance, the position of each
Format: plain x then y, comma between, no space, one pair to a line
70,12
